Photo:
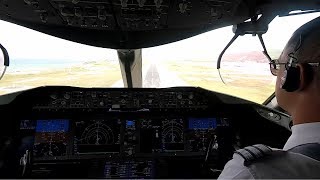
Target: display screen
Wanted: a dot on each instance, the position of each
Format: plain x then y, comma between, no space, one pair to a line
56,125
130,123
51,138
202,123
129,169
97,136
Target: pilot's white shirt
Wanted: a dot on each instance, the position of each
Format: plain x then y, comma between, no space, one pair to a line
301,134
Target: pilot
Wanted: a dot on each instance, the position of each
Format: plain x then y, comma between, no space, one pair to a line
298,92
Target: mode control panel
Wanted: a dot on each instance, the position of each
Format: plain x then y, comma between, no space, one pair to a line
122,100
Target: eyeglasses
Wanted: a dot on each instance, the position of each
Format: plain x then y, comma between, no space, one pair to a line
275,66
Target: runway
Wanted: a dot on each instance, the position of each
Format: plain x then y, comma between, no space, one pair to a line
157,76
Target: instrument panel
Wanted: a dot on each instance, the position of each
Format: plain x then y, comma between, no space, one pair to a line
115,100
68,138
128,147
67,132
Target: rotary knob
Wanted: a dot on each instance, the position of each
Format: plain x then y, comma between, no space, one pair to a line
141,3
124,3
130,152
54,96
78,12
67,96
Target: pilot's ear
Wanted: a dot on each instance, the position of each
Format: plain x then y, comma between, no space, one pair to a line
306,75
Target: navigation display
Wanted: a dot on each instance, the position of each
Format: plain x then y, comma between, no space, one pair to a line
97,136
202,123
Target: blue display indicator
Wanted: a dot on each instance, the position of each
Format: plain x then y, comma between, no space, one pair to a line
56,125
130,123
202,123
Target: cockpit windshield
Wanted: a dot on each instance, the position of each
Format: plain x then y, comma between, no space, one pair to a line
38,59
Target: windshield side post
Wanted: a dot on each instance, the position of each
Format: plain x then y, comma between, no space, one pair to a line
130,61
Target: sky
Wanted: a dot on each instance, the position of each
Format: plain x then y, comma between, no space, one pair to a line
24,43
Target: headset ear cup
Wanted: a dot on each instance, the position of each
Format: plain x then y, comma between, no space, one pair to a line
291,79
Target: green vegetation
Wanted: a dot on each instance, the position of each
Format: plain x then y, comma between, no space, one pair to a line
256,87
205,75
88,74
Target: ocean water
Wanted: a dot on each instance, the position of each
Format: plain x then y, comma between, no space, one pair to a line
25,65
42,63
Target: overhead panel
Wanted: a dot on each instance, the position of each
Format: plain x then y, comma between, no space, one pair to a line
135,24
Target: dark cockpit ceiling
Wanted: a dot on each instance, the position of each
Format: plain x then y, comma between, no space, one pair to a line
133,24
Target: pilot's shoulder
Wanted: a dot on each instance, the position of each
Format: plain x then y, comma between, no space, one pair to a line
253,153
239,166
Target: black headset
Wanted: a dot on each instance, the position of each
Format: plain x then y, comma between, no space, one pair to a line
5,54
290,81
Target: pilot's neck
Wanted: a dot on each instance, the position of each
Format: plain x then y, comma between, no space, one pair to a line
306,111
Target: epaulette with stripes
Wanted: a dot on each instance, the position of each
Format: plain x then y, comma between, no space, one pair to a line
254,152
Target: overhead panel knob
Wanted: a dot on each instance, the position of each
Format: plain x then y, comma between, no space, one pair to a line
183,8
141,3
66,11
158,3
78,12
75,1
67,96
102,14
54,96
124,3
44,17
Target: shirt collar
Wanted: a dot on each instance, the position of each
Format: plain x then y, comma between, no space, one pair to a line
303,134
